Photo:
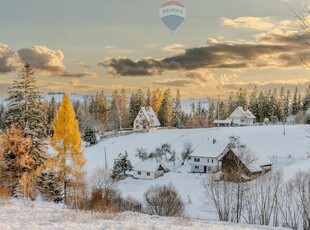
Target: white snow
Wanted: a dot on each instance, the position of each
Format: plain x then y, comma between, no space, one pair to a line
27,215
288,153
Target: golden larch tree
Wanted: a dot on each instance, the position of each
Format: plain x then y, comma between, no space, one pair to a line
156,99
66,140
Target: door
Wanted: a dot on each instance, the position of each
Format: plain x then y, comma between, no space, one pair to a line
205,169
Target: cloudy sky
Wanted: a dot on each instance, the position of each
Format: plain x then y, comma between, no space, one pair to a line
88,46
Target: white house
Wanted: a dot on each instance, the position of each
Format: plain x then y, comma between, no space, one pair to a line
205,157
148,170
146,119
242,116
213,156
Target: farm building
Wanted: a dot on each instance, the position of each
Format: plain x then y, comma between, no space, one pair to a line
148,170
242,116
146,119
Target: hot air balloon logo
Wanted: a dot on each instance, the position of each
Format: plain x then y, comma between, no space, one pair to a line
172,14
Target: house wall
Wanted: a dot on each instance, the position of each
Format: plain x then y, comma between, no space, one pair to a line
144,175
198,164
140,122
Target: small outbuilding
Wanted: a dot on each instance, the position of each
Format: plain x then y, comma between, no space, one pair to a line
242,116
148,170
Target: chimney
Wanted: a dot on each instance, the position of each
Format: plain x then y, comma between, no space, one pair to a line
245,107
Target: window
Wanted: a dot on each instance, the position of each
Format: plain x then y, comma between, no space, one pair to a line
148,173
197,159
208,160
137,126
189,158
212,161
242,120
139,173
196,167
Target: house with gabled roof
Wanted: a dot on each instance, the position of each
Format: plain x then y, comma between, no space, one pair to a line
212,156
146,119
148,170
241,116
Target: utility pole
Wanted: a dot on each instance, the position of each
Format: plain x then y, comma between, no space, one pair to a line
218,111
105,159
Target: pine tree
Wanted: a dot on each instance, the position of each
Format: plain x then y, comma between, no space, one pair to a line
90,136
137,101
25,109
281,103
306,99
165,110
211,113
295,106
50,186
121,165
66,140
223,111
232,105
253,102
177,110
287,103
148,97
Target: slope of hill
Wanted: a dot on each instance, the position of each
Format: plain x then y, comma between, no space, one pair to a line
28,215
289,153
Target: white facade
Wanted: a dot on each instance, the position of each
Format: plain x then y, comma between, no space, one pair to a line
146,119
242,116
148,170
201,164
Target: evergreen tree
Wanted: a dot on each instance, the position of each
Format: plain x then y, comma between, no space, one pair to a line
260,109
177,110
281,103
165,110
121,165
51,113
148,97
287,102
232,105
223,111
253,102
241,97
306,99
137,101
25,109
295,106
69,160
90,136
50,186
211,111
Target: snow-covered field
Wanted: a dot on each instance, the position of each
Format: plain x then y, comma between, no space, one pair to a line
29,215
288,153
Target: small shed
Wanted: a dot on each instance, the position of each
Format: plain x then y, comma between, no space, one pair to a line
148,170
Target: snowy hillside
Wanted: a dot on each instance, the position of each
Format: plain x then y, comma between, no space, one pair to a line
288,153
40,216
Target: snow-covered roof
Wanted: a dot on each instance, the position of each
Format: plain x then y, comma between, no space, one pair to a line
227,121
150,115
247,113
256,166
147,166
210,147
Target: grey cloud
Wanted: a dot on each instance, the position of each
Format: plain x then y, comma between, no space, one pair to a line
273,50
8,59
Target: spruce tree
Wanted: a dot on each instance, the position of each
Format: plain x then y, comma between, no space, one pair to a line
90,136
25,110
69,160
148,97
165,110
137,101
177,110
295,106
306,99
121,165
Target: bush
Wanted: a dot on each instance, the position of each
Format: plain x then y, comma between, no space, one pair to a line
164,201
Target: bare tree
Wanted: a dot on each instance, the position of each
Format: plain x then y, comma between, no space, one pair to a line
221,196
187,151
289,209
239,163
261,200
164,201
